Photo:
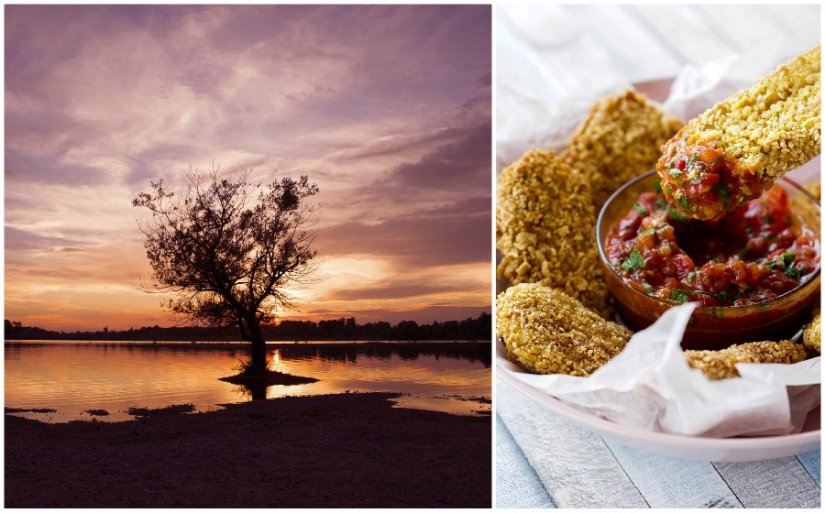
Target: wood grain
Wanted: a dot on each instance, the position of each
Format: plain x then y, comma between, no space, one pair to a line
811,462
517,484
667,482
781,483
574,465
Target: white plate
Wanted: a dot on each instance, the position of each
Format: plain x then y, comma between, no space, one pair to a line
679,446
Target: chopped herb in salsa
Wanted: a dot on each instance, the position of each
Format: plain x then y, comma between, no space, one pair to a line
680,296
634,261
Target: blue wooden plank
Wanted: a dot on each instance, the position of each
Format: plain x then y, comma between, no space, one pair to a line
575,466
517,484
667,482
780,483
811,462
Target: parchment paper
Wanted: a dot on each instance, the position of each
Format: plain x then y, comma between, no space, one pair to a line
650,386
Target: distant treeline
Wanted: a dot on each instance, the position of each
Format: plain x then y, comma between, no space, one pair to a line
479,328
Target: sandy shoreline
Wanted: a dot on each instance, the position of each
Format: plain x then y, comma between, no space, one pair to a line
351,450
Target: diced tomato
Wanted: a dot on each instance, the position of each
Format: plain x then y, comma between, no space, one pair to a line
708,155
756,253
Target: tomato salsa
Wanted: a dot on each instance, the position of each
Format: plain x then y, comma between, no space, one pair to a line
759,251
702,183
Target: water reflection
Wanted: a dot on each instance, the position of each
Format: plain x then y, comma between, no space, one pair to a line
383,351
72,377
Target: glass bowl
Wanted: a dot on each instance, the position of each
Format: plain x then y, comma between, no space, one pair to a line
712,327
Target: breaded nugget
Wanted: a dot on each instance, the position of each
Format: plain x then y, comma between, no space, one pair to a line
812,334
734,151
548,332
722,364
619,139
545,229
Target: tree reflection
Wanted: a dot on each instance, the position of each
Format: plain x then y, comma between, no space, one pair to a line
251,392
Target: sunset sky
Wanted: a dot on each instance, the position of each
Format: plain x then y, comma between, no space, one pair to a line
386,108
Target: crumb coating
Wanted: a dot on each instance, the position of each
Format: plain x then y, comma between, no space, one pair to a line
812,334
546,229
619,140
548,332
722,364
764,132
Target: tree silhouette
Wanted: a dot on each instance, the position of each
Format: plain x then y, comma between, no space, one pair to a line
227,249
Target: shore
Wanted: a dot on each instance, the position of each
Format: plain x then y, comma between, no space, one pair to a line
343,450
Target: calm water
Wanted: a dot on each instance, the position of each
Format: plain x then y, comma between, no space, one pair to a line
71,377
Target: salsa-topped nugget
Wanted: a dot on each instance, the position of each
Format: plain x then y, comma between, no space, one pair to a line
735,150
548,332
812,334
619,139
545,229
722,364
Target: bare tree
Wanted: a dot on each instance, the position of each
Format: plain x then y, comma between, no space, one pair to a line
228,248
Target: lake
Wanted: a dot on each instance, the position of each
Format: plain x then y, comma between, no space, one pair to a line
72,377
